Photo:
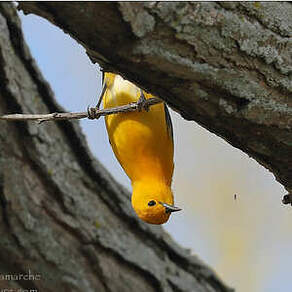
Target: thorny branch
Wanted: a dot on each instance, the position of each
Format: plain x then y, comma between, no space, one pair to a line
92,113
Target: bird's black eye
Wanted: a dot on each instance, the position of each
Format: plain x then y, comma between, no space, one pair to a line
151,203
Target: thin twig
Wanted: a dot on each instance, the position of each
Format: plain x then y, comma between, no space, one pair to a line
94,113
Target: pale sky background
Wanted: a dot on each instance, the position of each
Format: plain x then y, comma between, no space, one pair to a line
248,240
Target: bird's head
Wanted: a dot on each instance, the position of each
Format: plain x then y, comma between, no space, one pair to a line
153,203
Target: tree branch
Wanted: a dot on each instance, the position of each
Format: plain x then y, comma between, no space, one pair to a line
226,66
92,113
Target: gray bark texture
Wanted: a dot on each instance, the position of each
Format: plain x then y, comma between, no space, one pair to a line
63,218
227,66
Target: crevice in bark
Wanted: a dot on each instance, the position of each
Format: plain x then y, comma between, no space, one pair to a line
94,264
4,203
143,273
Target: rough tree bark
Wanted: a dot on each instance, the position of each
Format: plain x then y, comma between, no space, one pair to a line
63,218
228,66
225,65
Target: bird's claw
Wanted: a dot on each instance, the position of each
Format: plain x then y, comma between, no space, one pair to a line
141,103
92,113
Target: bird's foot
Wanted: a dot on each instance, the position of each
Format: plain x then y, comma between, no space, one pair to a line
141,103
92,113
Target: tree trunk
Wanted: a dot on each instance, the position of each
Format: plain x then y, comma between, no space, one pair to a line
227,66
64,222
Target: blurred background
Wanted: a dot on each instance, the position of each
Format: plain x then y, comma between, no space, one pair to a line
247,240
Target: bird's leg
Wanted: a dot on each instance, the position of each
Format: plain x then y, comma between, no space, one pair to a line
101,95
142,102
92,111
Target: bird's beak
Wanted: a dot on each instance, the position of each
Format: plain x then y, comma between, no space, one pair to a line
170,208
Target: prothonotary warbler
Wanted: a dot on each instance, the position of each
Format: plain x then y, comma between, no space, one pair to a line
143,144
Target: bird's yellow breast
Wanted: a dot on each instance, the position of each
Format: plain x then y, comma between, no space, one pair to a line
141,141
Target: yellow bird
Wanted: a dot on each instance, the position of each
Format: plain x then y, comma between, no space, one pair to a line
143,144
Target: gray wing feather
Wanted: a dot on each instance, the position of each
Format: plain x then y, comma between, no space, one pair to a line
168,122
